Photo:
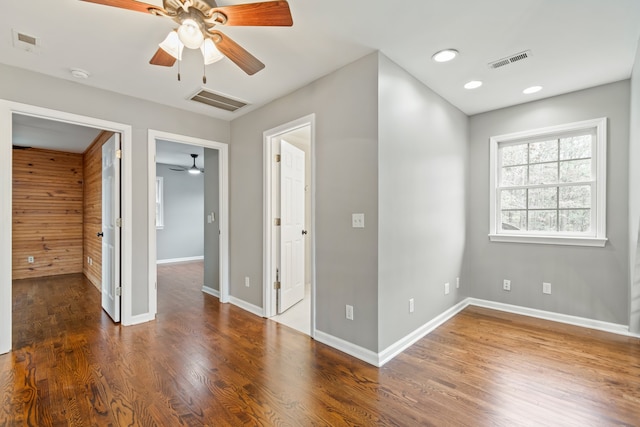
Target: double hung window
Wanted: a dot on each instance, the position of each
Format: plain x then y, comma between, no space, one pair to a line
548,185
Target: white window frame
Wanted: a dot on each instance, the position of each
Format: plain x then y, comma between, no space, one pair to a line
159,203
598,236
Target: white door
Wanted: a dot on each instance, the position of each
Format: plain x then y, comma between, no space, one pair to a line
292,177
110,228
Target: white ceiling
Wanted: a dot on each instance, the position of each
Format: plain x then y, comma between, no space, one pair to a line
48,134
574,44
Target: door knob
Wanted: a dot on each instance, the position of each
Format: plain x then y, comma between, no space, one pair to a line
100,234
304,232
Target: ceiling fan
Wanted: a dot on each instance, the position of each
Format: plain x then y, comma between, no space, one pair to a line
195,170
197,20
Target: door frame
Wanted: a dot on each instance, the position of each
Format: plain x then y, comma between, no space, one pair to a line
7,110
223,171
269,260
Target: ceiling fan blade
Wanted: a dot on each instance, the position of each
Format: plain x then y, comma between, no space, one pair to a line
270,13
179,169
236,53
162,58
128,4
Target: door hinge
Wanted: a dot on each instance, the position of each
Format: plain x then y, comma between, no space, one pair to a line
118,291
118,222
276,221
277,158
276,284
118,154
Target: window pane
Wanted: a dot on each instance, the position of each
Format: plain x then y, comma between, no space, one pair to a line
514,175
543,198
576,147
514,155
575,171
575,220
513,199
576,196
514,220
543,220
546,173
545,151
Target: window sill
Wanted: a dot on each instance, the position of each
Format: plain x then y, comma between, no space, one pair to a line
550,240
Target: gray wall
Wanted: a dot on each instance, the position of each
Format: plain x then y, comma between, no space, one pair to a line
634,199
587,282
421,176
346,157
183,233
212,230
26,87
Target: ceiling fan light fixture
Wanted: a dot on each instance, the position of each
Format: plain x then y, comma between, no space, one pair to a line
194,170
172,45
190,34
210,52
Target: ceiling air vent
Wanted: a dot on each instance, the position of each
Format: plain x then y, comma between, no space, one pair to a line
510,59
217,100
25,42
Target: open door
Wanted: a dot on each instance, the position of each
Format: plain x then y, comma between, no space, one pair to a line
292,179
110,234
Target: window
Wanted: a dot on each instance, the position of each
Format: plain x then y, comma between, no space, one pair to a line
548,185
159,203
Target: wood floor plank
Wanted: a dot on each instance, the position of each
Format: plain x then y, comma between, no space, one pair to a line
204,363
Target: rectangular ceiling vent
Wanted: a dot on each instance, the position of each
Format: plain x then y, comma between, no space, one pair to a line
217,100
510,59
25,42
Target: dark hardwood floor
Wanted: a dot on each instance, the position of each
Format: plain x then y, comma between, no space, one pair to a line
203,363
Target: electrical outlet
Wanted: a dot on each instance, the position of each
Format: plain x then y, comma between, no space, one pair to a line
30,260
506,285
247,281
446,288
357,220
349,312
457,282
411,305
546,288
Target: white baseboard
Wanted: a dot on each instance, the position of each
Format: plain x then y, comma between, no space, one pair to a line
379,359
141,318
174,260
258,311
211,291
404,343
556,317
351,349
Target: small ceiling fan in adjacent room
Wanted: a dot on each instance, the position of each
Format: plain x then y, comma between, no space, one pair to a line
194,170
197,20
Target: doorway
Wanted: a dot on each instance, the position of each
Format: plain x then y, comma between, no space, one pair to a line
284,264
7,112
205,241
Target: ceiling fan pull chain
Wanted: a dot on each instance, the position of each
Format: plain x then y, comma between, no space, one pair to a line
204,73
179,69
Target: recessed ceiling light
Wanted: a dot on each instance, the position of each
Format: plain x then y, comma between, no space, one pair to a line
532,89
473,84
79,74
445,55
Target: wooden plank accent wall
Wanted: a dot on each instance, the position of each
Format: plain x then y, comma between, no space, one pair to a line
92,244
47,213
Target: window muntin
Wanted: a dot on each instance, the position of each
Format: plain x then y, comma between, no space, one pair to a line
550,183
